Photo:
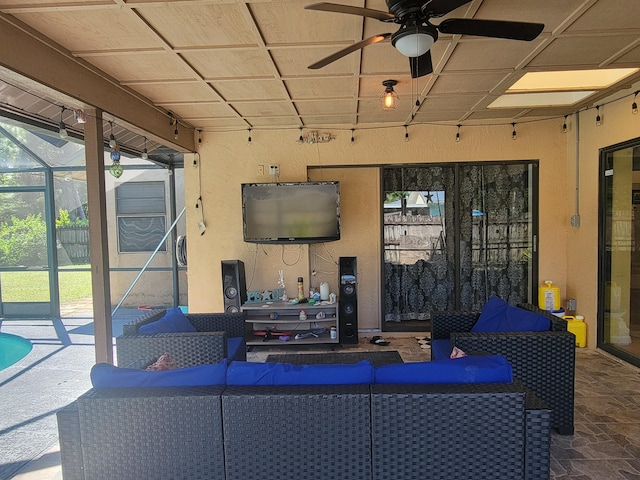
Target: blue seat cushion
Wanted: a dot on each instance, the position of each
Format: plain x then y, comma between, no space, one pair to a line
441,348
498,316
173,321
236,349
470,369
105,375
254,373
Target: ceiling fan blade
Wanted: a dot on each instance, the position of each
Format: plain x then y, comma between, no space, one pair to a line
346,51
439,8
421,66
491,28
364,12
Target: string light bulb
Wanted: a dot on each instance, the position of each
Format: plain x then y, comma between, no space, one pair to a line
514,135
300,138
564,125
112,137
406,133
145,152
353,138
458,133
62,131
176,133
199,137
598,117
634,105
249,139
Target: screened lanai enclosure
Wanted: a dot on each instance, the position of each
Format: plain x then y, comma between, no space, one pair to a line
45,269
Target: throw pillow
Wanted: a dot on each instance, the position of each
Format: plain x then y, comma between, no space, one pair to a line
163,363
254,373
173,321
105,375
457,353
498,316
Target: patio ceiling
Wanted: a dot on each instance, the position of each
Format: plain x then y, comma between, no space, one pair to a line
233,65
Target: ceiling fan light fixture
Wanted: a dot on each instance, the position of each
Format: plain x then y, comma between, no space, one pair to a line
414,40
389,98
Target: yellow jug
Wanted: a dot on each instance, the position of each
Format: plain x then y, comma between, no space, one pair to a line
549,296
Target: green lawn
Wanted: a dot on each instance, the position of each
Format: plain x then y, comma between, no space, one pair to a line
34,286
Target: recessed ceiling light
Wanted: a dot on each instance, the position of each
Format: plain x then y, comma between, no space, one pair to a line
571,80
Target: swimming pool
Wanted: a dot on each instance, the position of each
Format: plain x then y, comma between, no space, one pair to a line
12,349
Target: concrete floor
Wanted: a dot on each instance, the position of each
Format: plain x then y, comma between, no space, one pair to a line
606,443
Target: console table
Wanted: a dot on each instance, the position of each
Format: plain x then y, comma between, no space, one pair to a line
285,317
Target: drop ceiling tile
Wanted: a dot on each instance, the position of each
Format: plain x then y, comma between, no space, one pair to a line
313,88
202,110
612,15
479,53
149,66
219,123
250,89
472,82
629,59
224,63
318,120
294,62
439,116
177,92
581,52
328,107
450,102
84,30
184,24
267,121
549,12
288,22
267,109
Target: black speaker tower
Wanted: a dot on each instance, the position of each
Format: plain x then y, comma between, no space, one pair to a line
348,319
234,285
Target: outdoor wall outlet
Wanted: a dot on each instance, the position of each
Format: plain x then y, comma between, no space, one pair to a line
274,170
260,169
575,220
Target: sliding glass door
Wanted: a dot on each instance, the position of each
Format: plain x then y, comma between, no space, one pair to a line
454,235
619,282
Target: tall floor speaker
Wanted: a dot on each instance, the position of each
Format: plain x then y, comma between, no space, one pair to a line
348,318
234,285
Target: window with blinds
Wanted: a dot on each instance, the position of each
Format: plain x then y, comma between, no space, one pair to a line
141,216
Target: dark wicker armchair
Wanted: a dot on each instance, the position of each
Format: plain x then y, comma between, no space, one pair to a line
207,345
543,361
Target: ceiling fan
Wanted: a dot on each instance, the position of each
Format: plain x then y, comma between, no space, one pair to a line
417,34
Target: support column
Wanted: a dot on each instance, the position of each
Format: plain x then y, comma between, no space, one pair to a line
98,239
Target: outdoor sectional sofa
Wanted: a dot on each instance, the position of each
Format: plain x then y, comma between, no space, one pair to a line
543,360
347,431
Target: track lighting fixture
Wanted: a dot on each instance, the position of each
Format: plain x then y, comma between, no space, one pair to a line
145,152
62,131
458,133
564,125
598,118
389,98
406,133
634,105
514,135
112,138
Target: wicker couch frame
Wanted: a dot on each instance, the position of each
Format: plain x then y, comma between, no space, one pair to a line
346,432
543,361
205,346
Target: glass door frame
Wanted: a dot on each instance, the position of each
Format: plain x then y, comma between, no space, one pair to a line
606,174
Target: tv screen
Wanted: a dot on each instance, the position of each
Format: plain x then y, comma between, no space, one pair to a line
304,212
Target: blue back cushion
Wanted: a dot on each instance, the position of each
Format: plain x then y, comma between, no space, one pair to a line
253,373
441,348
105,375
470,369
236,349
173,321
498,316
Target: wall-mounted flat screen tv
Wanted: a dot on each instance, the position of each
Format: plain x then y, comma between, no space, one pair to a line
302,212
